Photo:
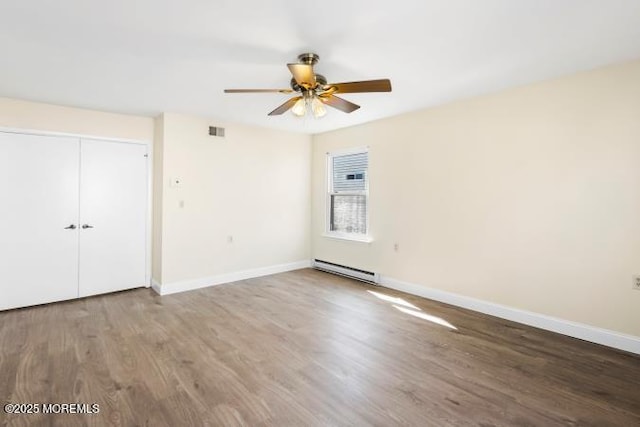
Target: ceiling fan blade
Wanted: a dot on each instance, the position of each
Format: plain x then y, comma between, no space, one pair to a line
303,74
383,85
285,107
339,103
258,91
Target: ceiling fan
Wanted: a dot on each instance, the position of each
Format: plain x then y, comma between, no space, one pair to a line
314,92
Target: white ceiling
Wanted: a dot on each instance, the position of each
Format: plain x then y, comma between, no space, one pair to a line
149,56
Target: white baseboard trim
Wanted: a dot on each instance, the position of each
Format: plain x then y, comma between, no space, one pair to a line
189,285
606,337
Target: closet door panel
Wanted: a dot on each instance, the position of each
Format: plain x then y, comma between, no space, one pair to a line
39,197
113,216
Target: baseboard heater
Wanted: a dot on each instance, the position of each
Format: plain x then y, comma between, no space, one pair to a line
343,270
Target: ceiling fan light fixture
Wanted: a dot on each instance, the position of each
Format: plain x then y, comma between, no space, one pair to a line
317,108
299,108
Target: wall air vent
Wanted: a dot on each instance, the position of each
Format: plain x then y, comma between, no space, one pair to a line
216,131
343,270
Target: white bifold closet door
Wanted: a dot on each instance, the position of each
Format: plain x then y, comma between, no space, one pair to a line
113,216
73,218
39,199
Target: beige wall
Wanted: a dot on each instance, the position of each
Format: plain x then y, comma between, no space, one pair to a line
528,198
53,118
252,185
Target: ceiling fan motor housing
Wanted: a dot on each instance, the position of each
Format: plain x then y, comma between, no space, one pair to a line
320,79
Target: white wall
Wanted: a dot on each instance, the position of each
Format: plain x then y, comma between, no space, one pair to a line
252,185
528,198
54,118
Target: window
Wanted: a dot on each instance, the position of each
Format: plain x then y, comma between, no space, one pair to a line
348,194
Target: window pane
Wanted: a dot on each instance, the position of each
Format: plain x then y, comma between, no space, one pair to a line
349,214
349,172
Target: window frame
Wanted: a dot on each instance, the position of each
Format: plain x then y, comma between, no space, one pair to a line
356,237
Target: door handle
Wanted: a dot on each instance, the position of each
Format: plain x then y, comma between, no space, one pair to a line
71,227
85,226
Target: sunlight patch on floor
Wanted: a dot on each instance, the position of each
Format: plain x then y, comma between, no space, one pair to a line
425,316
393,300
408,308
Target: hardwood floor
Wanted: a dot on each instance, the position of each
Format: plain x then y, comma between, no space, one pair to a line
304,348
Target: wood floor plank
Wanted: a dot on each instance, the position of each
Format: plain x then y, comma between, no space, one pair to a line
304,348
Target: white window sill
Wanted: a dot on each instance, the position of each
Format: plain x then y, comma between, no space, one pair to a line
349,237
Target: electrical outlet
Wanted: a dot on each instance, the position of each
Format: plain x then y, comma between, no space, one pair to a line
396,247
636,282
